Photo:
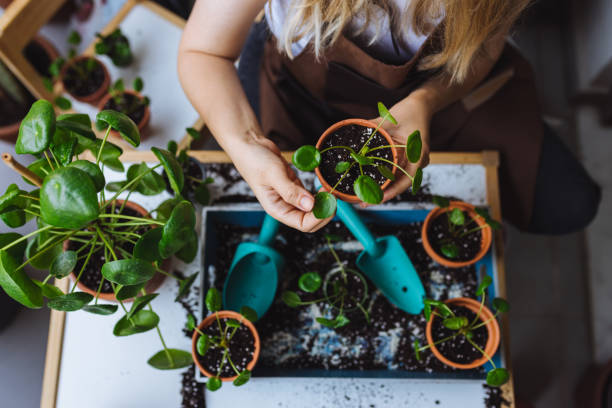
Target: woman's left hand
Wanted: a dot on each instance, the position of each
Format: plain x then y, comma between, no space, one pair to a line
411,115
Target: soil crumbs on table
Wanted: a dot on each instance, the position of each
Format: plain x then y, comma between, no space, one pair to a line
353,136
459,350
468,245
494,398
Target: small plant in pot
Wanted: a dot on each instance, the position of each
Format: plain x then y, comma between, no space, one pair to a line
98,233
225,346
344,290
457,234
463,333
352,159
116,46
128,102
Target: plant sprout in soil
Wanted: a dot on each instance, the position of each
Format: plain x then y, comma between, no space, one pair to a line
117,46
339,293
465,328
307,158
127,103
207,342
69,203
459,227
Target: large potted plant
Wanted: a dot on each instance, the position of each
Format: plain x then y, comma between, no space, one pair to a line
355,160
69,204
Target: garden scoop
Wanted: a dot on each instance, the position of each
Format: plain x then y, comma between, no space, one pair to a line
385,263
253,275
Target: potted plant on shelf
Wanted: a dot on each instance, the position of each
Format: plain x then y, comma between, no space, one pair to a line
128,102
116,46
225,346
352,159
463,333
457,234
124,245
344,290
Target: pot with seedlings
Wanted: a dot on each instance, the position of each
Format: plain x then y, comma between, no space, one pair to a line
116,46
457,234
129,102
225,346
464,333
355,160
343,290
111,246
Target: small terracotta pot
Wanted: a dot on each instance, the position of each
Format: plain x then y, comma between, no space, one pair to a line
485,242
352,198
143,122
150,287
223,314
492,331
94,97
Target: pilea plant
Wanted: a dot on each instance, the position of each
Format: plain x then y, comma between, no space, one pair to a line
69,205
117,46
222,341
307,158
338,291
463,327
459,227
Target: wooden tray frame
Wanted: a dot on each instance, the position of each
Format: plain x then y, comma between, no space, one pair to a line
488,159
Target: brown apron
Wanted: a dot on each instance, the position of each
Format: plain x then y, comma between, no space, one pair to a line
300,98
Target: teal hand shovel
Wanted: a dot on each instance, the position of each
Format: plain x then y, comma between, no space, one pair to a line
385,262
253,275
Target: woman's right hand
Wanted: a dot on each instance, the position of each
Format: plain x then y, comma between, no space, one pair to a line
275,184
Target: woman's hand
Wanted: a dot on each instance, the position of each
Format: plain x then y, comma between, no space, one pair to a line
276,185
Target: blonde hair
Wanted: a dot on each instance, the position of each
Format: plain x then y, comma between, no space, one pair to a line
467,25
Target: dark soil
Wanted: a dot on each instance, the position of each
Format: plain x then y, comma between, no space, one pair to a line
468,245
38,57
241,349
355,287
494,397
129,104
83,86
459,349
92,275
192,169
353,136
192,392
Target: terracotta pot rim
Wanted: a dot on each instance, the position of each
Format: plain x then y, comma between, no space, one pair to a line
145,118
493,332
352,198
151,286
485,233
94,97
207,322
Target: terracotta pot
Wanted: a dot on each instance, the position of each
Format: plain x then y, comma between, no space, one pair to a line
485,242
352,198
143,122
492,331
94,97
151,285
212,319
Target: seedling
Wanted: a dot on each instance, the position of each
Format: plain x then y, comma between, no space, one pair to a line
117,46
307,158
459,227
336,292
207,342
69,204
462,327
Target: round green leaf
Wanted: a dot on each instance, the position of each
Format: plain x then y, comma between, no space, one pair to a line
203,344
178,230
138,84
170,359
242,378
497,377
325,205
37,128
310,282
141,322
193,133
232,323
128,292
173,169
368,190
147,246
385,114
115,186
306,158
456,217
484,284
128,272
417,349
455,322
342,166
70,302
68,199
63,103
103,310
414,145
291,299
40,167
501,305
188,253
249,313
449,250
385,172
185,286
213,300
92,171
191,323
49,291
63,264
440,201
14,281
165,209
140,302
417,181
121,123
213,384
201,194
150,182
76,122
361,159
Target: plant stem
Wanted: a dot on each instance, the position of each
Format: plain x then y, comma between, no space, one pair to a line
222,364
485,322
481,351
101,234
393,164
48,160
342,177
102,145
135,180
25,237
46,279
91,251
385,147
233,366
55,158
350,149
128,217
29,197
482,301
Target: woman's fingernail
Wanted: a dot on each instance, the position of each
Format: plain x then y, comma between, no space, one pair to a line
306,203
